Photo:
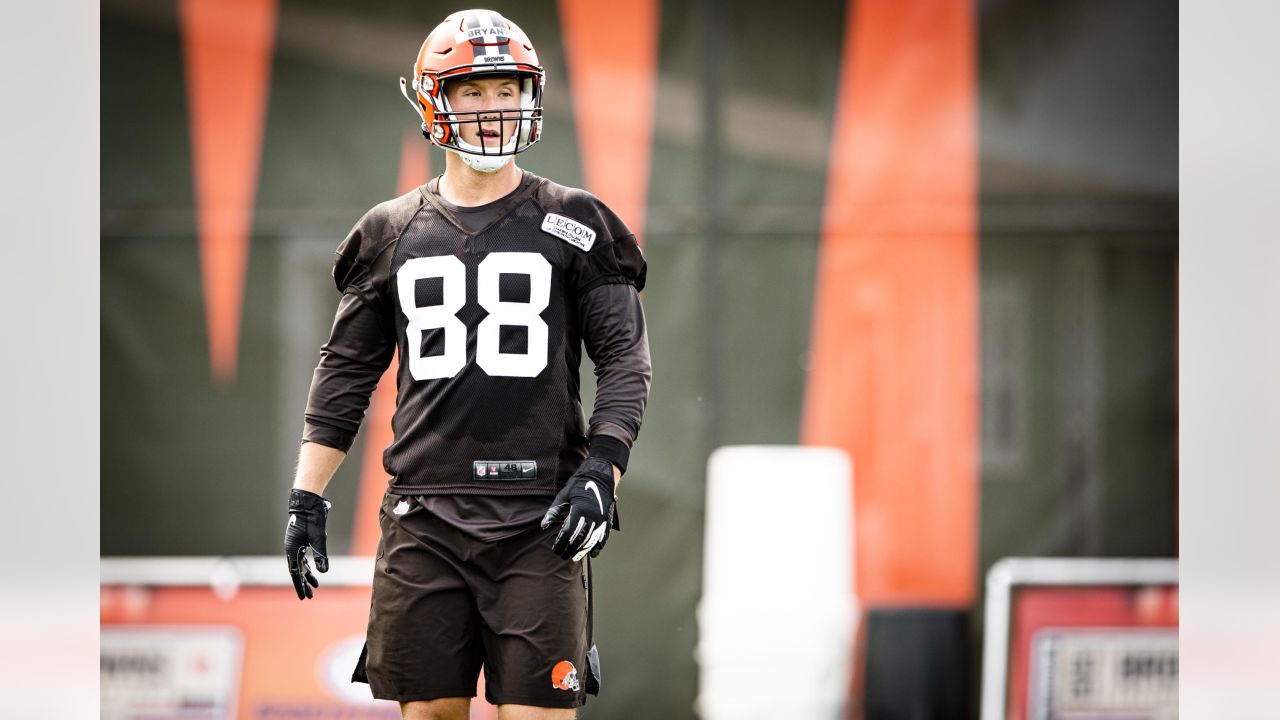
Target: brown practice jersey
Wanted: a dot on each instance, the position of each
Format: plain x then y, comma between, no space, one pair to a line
489,323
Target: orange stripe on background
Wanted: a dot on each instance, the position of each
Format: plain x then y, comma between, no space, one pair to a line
415,161
415,169
228,47
894,372
611,50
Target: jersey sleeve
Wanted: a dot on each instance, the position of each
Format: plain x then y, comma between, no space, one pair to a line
362,340
363,260
358,352
614,258
613,330
607,278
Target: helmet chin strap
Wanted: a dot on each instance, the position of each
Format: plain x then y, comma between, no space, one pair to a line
474,157
483,164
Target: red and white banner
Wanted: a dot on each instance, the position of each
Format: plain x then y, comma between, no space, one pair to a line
188,638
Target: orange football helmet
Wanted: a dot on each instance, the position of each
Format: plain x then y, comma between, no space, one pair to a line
467,44
564,676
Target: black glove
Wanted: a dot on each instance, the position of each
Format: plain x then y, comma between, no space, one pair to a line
586,505
307,514
616,524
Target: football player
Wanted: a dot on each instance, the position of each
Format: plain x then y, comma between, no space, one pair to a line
489,281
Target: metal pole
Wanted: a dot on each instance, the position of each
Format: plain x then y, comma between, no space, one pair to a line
712,202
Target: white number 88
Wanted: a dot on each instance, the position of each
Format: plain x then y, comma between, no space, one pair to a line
488,355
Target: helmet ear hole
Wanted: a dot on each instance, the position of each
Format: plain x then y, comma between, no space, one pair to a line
526,94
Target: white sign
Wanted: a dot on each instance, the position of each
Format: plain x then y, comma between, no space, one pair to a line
1114,673
170,671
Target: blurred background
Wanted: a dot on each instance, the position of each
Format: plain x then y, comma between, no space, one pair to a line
939,236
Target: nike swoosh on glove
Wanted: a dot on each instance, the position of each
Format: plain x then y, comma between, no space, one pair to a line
586,506
307,514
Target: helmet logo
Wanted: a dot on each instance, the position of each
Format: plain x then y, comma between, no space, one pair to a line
564,676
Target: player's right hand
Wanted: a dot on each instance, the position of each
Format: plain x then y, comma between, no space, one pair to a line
307,514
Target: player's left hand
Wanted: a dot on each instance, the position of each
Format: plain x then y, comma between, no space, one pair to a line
586,506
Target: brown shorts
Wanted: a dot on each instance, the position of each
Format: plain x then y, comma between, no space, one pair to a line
444,605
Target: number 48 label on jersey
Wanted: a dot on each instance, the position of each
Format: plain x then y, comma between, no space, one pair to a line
444,316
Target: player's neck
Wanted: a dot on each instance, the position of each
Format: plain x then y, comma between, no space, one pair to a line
465,187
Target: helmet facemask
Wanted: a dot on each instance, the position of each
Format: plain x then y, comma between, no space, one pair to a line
445,125
490,156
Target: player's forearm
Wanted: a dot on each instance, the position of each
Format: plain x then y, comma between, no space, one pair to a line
619,346
316,465
621,396
351,363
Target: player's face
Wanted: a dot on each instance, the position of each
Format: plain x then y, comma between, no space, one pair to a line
486,95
